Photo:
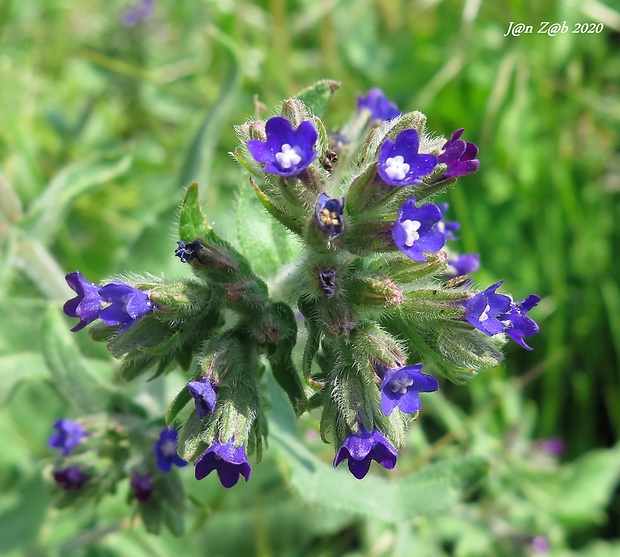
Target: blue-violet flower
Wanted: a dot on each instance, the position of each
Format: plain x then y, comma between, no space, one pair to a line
463,264
329,215
518,325
165,450
458,155
204,396
286,152
70,478
399,162
187,250
485,310
414,230
363,447
402,387
229,461
68,437
85,306
142,487
380,107
127,305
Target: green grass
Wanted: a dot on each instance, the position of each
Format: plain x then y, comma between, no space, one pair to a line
151,108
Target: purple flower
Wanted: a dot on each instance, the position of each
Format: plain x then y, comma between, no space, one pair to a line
327,281
68,437
485,310
414,230
540,545
464,264
204,396
142,12
458,155
381,108
494,313
70,478
447,228
229,461
399,162
402,387
554,446
518,325
187,250
286,152
85,306
329,215
127,305
142,487
165,450
363,447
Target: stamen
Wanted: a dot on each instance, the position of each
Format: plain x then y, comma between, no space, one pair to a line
288,156
411,228
396,167
483,315
400,385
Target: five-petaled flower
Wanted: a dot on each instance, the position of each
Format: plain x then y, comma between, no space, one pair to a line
458,155
402,387
70,478
380,107
142,487
68,437
361,448
127,305
204,396
165,450
414,231
287,152
400,164
329,215
494,313
229,461
86,305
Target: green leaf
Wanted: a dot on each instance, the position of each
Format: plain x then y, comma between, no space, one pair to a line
191,444
179,402
201,149
428,491
266,243
192,222
47,213
151,514
73,375
318,95
17,368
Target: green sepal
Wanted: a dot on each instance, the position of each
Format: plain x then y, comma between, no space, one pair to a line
317,96
404,270
425,305
180,401
192,439
192,222
281,216
373,347
373,292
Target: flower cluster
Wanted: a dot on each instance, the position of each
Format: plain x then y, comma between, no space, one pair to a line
380,294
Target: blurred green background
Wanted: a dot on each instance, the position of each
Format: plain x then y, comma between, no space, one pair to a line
103,125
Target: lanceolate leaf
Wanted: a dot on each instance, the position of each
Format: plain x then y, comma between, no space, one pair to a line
192,222
74,376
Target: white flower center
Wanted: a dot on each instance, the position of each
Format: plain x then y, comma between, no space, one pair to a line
483,315
168,448
411,228
440,226
396,168
288,156
400,385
